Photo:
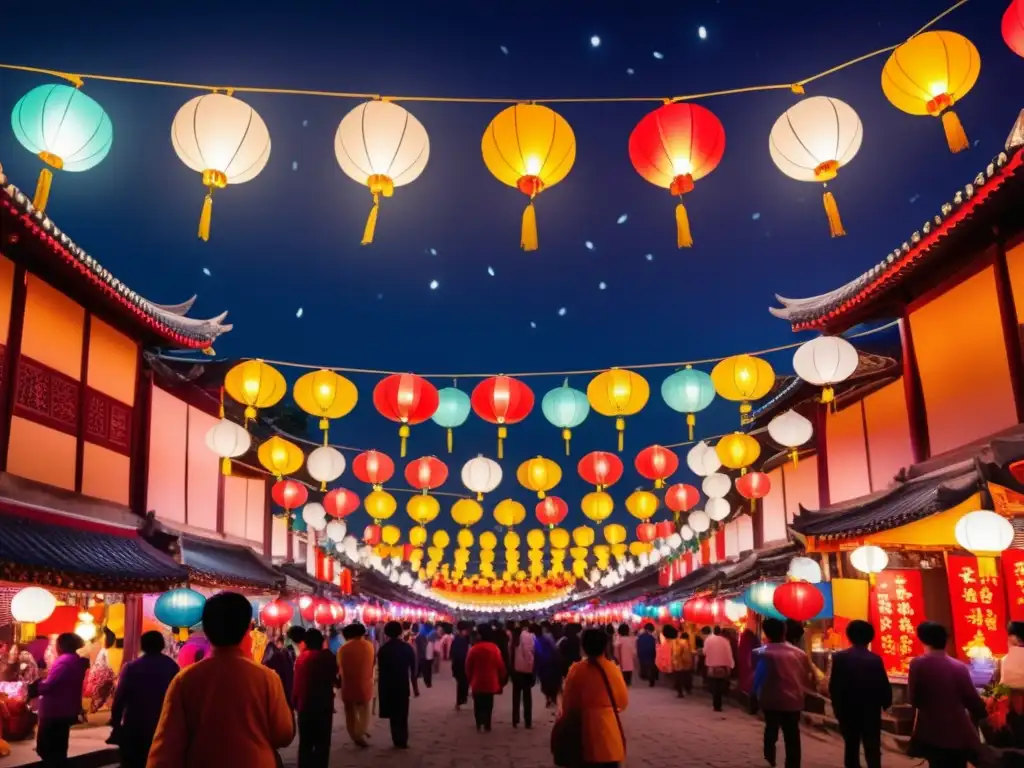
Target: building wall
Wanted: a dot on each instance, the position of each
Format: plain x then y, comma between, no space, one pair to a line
848,475
773,510
888,431
801,486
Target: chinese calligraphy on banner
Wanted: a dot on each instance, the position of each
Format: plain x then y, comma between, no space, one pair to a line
1013,577
979,606
898,607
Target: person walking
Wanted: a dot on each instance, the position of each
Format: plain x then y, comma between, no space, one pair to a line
596,692
355,665
569,647
277,658
487,674
61,700
718,665
396,670
524,667
860,690
139,699
425,653
458,653
784,674
226,710
684,662
624,647
646,651
316,675
549,665
947,704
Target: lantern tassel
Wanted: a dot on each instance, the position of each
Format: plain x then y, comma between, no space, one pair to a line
449,439
225,466
691,421
795,455
403,432
206,216
528,237
683,237
371,223
502,434
956,138
567,436
620,426
323,486
986,566
42,196
835,224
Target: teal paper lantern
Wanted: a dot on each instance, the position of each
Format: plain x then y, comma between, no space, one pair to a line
760,598
180,608
565,408
452,410
688,391
65,128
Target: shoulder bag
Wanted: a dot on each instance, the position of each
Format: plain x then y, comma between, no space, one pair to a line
567,733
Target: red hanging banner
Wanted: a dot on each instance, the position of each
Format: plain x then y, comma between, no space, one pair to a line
898,607
1013,577
979,605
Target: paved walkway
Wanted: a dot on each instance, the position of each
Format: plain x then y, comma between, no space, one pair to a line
662,731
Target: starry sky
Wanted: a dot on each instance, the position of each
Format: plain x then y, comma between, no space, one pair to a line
445,287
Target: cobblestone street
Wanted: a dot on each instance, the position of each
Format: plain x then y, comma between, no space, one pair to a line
661,731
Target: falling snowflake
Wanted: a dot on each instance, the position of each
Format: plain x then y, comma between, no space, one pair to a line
602,285
305,123
298,312
756,216
630,71
206,271
914,198
622,219
649,257
490,271
659,55
590,245
702,33
561,311
504,49
595,41
533,324
433,252
295,165
433,285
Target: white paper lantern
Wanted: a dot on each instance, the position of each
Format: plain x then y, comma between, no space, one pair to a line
791,430
86,627
716,485
325,464
824,362
336,530
869,559
984,533
717,509
33,605
702,459
228,440
675,541
804,569
699,521
735,611
315,516
481,475
811,134
686,533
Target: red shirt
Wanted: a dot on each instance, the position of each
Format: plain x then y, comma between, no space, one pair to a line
485,668
316,673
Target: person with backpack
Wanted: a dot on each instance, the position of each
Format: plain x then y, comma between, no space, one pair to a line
523,672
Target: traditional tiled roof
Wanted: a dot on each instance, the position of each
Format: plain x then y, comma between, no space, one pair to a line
221,564
926,244
169,324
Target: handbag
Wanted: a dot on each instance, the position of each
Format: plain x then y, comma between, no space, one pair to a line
719,672
567,732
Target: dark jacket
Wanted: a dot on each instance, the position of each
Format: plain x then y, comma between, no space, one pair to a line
316,675
140,695
859,686
571,650
941,691
646,648
283,663
459,652
396,671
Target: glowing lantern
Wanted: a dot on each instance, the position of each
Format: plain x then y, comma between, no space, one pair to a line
452,410
825,361
597,506
422,508
325,395
665,529
340,503
791,430
804,569
646,532
565,408
326,613
619,393
614,534
742,378
535,539
488,541
64,128
798,600
380,505
539,475
551,511
464,538
688,391
289,494
325,464
642,504
558,538
681,497
812,140
426,473
509,513
754,486
696,609
335,530
276,613
930,73
869,559
583,536
380,144
255,385
600,469
229,441
686,533
698,521
702,459
656,463
33,605
371,535
315,516
390,535
674,146
1013,27
466,512
738,451
502,400
760,598
481,475
407,399
986,535
530,147
717,509
418,535
373,467
280,457
734,611
716,485
224,139
179,608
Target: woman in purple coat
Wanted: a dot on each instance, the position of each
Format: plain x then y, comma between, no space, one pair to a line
61,702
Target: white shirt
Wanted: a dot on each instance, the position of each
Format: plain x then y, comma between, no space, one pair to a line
718,652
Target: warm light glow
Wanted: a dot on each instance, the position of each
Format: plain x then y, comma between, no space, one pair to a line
682,166
251,387
33,605
869,559
937,88
984,532
533,165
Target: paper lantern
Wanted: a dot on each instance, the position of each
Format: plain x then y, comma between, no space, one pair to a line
280,457
734,611
325,465
686,533
422,508
63,127
583,536
224,139
618,393
327,613
390,535
86,627
33,605
335,531
380,505
716,485
812,140
441,539
754,486
614,534
426,473
646,532
502,400
315,516
380,144
986,535
180,608
508,513
656,463
539,475
289,494
665,529
558,538
467,512
371,535
698,521
674,146
702,459
695,610
255,385
407,399
869,559
742,378
418,536
688,391
825,361
530,147
488,541
681,497
717,509
551,511
566,408
276,614
600,469
760,598
1013,27
453,409
791,430
325,395
597,506
373,467
930,73
738,450
798,600
229,441
464,538
642,504
804,569
481,475
340,503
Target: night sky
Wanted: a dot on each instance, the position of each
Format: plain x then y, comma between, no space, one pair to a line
290,238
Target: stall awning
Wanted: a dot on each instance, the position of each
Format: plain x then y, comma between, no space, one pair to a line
221,565
54,550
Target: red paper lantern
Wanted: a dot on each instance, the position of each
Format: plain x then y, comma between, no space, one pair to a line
502,400
664,529
753,486
656,463
307,607
426,473
681,497
672,147
714,612
289,494
340,503
371,535
798,600
600,468
276,613
373,467
694,609
646,532
551,511
371,614
407,550
407,399
325,612
1013,27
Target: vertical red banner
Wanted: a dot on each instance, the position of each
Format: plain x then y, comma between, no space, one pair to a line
720,545
665,576
1013,578
898,607
978,598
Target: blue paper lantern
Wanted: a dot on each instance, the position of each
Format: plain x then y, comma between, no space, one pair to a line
675,609
759,598
565,408
179,608
65,128
688,391
452,410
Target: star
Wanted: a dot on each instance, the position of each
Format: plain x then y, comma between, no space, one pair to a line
595,41
433,285
702,33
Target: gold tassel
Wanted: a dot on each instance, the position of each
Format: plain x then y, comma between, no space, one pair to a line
502,434
691,421
43,189
683,237
205,216
567,436
986,567
403,432
795,455
528,238
371,224
225,466
955,135
449,440
620,425
835,224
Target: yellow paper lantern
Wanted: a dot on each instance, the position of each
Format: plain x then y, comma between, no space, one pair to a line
742,378
597,506
486,557
536,570
255,385
488,540
464,538
930,73
637,548
380,505
738,451
535,555
535,539
390,535
602,552
530,147
511,540
466,512
614,533
435,554
442,539
583,536
280,457
418,536
509,513
579,568
423,508
559,538
557,555
642,505
325,395
620,550
539,475
618,393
